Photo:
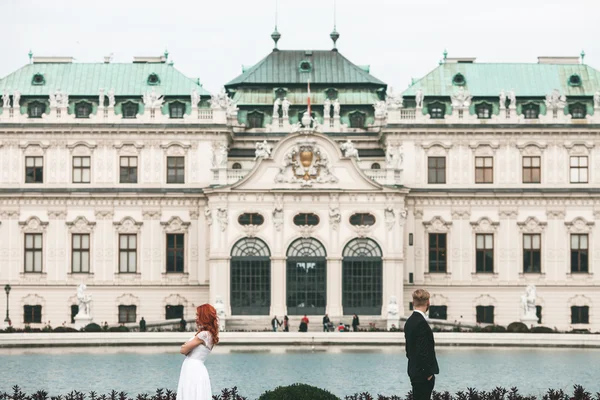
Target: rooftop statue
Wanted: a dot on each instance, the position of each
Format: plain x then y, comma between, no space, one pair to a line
393,100
349,150
327,108
16,99
5,99
554,101
111,98
336,108
276,106
597,99
101,97
153,100
380,109
195,98
419,97
502,100
462,99
513,100
285,107
263,150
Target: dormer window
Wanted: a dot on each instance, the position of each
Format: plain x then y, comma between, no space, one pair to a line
153,79
176,110
38,79
357,119
130,110
531,111
437,111
83,110
36,109
574,80
577,111
255,119
484,111
331,94
459,80
236,165
280,93
375,166
305,66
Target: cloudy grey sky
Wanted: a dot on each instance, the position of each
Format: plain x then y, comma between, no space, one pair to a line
211,40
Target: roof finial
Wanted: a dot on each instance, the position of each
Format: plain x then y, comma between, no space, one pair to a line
30,54
166,54
445,54
276,35
582,56
334,35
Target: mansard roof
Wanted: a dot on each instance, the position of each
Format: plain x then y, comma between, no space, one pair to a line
85,79
527,79
326,67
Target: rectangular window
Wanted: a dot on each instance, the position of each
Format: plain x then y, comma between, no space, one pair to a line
81,169
34,169
127,314
74,312
33,252
579,253
127,253
173,312
580,315
484,170
438,312
437,252
579,169
436,169
80,253
485,314
532,253
532,169
128,169
175,252
175,169
484,255
32,314
538,313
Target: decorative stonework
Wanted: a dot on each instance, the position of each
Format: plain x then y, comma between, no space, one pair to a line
33,225
362,230
104,214
485,225
222,218
436,148
508,213
278,212
57,214
175,149
128,225
175,300
439,300
390,217
151,214
81,148
580,301
579,225
418,212
128,299
458,214
80,225
208,216
437,224
251,230
485,300
34,148
484,148
532,225
194,214
175,225
305,163
555,214
531,148
306,231
33,300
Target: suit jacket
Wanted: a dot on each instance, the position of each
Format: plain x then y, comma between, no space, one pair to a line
420,348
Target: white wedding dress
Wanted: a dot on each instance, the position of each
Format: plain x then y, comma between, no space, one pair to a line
194,383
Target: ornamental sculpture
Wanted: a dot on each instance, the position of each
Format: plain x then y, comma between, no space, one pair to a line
462,99
111,98
512,98
195,98
5,99
528,304
597,99
263,150
554,101
380,109
502,99
349,150
393,156
219,155
84,301
393,100
153,100
419,97
16,99
327,109
305,163
285,108
222,101
59,99
276,106
100,97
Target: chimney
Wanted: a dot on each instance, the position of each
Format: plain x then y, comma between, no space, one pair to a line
150,60
558,60
460,60
52,60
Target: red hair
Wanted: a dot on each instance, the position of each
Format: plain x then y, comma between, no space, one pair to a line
206,319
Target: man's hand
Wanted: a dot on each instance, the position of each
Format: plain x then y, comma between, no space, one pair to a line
430,378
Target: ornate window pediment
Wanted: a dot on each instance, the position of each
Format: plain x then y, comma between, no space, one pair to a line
531,148
81,148
175,225
439,300
33,225
34,148
485,300
255,119
357,119
436,148
579,147
128,299
484,148
175,148
579,225
532,225
579,301
129,147
128,225
437,224
33,300
175,300
81,225
484,224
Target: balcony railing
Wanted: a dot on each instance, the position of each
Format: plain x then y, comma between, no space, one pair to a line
378,175
234,175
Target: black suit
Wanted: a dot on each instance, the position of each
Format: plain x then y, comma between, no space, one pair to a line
420,351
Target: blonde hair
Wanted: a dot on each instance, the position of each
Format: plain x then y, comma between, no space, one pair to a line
420,297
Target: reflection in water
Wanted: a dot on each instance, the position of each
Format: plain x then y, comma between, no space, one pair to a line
342,370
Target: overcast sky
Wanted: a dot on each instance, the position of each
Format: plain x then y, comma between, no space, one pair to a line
211,40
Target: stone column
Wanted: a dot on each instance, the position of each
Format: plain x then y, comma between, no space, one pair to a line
334,287
278,286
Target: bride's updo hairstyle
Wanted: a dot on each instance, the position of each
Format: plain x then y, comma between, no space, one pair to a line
206,320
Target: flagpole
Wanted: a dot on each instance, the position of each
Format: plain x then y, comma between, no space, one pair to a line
308,99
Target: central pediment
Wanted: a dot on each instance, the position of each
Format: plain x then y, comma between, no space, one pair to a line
307,161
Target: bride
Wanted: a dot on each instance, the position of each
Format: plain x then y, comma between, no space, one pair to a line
194,383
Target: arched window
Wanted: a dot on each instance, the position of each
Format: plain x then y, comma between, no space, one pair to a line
255,119
362,275
484,111
577,111
153,79
304,219
357,119
250,277
459,80
38,79
83,110
531,111
236,165
176,110
375,166
36,109
306,277
251,219
437,111
362,219
130,109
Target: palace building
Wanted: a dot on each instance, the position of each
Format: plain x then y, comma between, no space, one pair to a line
477,181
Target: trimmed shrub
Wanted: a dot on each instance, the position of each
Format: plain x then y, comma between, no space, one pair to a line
541,329
298,391
494,328
517,327
118,329
93,327
62,329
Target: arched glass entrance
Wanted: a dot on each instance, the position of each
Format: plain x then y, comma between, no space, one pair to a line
306,277
362,270
250,288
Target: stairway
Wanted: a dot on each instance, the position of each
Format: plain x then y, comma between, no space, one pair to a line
263,323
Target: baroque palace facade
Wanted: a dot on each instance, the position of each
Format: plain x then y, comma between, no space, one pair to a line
476,182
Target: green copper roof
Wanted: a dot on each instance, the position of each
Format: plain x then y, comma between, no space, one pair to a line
528,80
298,96
284,67
79,79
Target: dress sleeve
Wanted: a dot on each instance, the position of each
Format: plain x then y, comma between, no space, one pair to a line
206,338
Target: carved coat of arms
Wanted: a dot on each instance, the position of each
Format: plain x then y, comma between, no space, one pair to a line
305,163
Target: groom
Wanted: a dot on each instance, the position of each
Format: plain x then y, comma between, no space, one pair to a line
420,348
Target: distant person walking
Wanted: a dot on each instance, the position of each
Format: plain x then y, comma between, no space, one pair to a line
420,348
286,324
142,325
275,323
355,323
326,322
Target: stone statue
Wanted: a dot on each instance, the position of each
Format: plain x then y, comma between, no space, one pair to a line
512,99
16,99
52,98
220,308
62,99
502,100
263,150
195,98
222,218
419,97
528,303
393,156
327,109
335,217
394,101
84,301
336,108
380,109
392,308
153,100
101,97
462,99
285,108
349,150
554,101
111,98
5,99
276,106
222,155
597,99
278,213
390,217
208,216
